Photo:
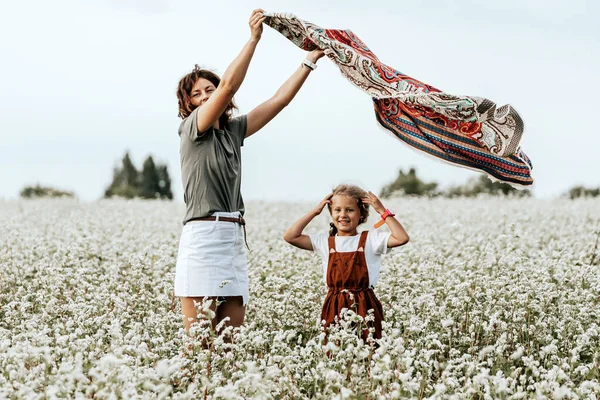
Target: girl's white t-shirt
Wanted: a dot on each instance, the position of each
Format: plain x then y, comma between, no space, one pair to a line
375,247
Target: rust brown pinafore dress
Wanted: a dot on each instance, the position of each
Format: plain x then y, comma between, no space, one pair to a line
348,270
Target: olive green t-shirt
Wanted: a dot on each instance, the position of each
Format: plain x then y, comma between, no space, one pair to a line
211,167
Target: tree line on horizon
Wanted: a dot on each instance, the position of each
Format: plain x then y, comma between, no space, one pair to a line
153,182
409,184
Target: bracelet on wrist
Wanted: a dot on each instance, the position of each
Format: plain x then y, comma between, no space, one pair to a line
309,64
387,213
384,215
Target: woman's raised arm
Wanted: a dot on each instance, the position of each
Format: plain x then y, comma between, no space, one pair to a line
232,79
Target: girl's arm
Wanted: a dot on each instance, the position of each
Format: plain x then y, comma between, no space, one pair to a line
232,79
266,111
399,236
294,235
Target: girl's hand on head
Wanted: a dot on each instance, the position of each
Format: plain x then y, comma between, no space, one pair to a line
323,203
374,202
314,55
256,20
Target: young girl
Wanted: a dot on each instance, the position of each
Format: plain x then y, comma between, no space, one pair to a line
351,261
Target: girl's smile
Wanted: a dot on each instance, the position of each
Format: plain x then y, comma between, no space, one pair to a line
345,215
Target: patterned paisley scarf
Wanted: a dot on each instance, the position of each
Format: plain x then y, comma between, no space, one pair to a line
470,132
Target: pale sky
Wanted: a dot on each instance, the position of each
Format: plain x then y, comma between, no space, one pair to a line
81,82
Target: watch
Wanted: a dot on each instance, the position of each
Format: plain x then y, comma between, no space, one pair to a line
386,213
311,65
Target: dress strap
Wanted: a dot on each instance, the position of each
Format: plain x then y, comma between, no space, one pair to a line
331,243
363,240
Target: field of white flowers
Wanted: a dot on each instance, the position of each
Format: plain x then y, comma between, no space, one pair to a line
491,299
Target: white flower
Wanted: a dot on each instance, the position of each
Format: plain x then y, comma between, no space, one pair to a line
88,309
447,322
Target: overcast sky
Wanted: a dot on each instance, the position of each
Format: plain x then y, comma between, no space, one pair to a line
81,82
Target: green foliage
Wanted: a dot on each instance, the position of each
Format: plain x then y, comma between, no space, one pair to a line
164,182
580,191
153,182
409,184
483,185
149,186
129,174
31,192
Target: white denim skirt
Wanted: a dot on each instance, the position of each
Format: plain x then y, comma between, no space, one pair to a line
212,259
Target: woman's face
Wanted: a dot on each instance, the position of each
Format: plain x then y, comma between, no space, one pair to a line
345,214
201,92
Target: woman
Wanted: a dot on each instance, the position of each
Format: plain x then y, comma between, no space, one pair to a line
212,259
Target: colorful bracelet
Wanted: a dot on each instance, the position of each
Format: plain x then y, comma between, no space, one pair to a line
386,213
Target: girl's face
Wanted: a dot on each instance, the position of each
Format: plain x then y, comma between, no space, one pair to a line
201,92
345,214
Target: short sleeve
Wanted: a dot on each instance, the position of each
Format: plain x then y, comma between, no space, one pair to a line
378,241
189,127
319,244
238,127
